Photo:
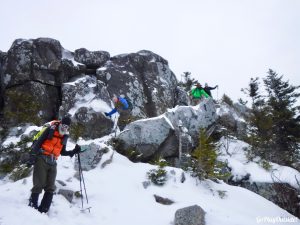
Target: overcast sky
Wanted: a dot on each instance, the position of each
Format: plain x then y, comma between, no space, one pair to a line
224,42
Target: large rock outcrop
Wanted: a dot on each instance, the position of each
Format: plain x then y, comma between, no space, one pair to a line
92,60
86,100
159,136
33,71
145,78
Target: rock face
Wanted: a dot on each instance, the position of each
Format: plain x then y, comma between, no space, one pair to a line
192,215
92,60
33,71
145,78
82,99
90,158
149,137
35,85
34,60
193,118
159,136
26,103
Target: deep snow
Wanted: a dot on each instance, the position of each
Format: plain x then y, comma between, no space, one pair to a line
117,196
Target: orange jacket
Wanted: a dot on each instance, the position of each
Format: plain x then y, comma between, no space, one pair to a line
54,145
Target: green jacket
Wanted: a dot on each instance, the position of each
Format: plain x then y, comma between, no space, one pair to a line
197,93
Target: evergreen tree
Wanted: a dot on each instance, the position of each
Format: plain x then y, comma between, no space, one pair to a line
285,124
226,99
253,91
274,128
260,122
188,81
206,156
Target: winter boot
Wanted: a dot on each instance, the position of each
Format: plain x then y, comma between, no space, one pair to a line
33,201
46,202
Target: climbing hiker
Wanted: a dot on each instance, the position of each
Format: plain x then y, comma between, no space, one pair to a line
207,89
120,104
44,153
197,93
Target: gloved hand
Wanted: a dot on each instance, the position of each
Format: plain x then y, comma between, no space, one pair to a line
77,149
107,114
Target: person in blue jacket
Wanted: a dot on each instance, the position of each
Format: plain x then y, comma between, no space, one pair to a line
120,104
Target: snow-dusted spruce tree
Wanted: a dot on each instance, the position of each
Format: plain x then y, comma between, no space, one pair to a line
227,100
281,101
260,123
204,163
158,176
274,129
187,81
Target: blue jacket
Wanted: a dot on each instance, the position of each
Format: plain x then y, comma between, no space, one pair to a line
124,103
121,103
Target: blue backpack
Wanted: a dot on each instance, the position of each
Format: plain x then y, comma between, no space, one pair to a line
130,106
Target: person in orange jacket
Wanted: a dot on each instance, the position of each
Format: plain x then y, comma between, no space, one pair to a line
45,151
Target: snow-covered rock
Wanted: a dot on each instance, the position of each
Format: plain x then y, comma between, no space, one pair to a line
192,215
193,117
149,137
145,78
86,99
91,157
159,136
32,72
92,59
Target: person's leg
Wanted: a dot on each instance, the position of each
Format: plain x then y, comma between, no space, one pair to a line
49,189
50,184
46,202
195,101
39,181
33,201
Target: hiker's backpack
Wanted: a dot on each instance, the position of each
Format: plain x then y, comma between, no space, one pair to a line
130,105
129,102
39,133
45,126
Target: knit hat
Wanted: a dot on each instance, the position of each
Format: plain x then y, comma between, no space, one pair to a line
115,99
66,121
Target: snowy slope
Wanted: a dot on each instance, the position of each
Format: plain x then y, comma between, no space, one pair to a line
117,196
237,160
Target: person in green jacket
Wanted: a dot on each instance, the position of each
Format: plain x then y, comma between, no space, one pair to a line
197,93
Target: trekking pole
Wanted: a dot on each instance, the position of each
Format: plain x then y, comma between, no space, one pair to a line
115,126
79,171
81,179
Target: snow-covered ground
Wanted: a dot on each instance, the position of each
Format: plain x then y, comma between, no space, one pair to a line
236,157
117,196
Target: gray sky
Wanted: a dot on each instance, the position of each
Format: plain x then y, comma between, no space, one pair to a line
221,42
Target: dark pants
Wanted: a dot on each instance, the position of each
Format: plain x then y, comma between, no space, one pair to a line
195,101
44,175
